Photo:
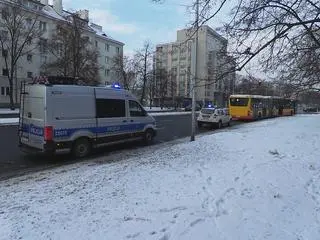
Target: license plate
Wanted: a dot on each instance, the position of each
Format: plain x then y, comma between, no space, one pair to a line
24,139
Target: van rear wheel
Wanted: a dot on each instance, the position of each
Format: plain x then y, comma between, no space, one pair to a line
81,148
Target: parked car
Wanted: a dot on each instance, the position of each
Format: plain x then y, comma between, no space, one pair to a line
189,107
217,117
310,110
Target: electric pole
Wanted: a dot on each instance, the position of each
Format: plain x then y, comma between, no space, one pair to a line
193,82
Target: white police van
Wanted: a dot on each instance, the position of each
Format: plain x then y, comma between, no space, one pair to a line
73,118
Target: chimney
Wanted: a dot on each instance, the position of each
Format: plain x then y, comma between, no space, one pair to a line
83,14
45,2
57,6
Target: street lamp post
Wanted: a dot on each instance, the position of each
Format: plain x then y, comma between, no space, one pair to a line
193,115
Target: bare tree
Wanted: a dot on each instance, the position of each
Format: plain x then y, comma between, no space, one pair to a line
284,35
152,87
125,70
162,84
74,54
19,33
273,32
143,60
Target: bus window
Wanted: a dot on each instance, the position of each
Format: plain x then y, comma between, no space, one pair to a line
256,103
239,101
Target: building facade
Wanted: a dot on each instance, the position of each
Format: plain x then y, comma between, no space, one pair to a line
215,69
48,18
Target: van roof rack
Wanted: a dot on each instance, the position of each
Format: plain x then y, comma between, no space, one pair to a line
52,80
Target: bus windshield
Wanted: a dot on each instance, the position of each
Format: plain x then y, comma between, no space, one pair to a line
239,101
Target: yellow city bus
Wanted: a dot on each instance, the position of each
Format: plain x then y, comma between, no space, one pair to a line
252,107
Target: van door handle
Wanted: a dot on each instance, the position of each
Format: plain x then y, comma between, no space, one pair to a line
124,121
131,120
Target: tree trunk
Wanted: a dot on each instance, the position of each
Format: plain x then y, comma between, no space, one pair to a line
12,107
144,76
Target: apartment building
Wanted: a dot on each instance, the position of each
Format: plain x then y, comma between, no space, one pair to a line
49,17
215,69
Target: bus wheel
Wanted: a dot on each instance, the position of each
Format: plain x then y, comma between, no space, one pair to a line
81,148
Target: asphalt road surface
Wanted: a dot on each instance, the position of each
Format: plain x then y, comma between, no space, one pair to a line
13,161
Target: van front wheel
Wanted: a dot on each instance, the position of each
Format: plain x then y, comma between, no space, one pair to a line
81,148
148,136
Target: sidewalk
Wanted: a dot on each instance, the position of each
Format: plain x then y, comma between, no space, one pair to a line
9,121
8,111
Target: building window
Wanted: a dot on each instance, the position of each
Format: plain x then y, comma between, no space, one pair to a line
29,22
29,40
4,14
96,43
5,72
29,58
5,91
43,45
107,59
4,52
29,74
43,59
110,108
43,26
107,72
118,50
4,34
107,47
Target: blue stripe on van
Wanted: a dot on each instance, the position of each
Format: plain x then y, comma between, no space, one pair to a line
32,129
67,132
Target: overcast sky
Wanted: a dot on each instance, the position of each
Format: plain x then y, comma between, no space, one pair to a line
134,21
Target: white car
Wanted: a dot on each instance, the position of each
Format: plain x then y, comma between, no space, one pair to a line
217,117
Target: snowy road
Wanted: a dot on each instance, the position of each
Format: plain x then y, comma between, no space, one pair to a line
257,181
13,161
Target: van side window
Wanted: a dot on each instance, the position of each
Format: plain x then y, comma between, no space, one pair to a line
110,108
135,109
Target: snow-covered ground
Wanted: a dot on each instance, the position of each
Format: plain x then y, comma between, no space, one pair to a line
257,180
8,111
9,121
157,109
